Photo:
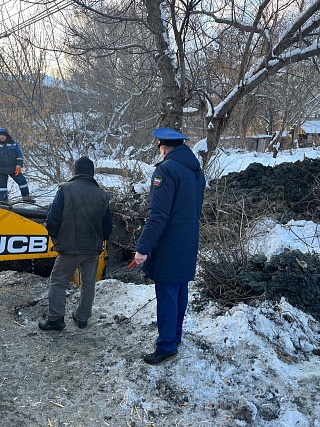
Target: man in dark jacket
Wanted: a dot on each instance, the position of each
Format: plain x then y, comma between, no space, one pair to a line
11,162
168,244
78,221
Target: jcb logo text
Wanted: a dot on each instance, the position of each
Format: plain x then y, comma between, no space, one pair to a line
23,244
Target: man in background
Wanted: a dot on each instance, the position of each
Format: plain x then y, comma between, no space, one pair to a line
78,221
11,162
168,244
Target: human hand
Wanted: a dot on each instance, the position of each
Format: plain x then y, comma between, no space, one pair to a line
139,258
18,170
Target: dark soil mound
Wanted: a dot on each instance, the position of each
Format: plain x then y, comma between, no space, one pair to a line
232,205
294,275
288,191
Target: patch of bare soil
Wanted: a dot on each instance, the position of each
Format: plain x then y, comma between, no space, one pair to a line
81,377
61,378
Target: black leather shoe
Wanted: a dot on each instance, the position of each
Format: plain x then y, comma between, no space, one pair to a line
78,322
52,325
158,357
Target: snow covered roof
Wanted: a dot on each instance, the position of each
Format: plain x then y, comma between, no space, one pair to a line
260,136
311,126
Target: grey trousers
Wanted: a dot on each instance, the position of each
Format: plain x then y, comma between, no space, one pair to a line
63,269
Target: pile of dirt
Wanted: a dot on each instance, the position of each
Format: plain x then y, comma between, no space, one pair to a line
237,201
292,274
286,191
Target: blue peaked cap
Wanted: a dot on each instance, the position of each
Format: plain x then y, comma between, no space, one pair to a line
165,134
169,137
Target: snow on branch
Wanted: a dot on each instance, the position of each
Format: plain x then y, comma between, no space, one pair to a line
255,75
297,32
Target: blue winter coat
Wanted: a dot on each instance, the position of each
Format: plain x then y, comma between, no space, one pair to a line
10,154
170,236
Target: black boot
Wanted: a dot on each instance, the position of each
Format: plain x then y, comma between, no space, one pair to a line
158,357
52,325
78,322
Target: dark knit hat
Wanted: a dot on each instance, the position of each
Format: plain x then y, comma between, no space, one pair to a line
3,131
169,137
84,166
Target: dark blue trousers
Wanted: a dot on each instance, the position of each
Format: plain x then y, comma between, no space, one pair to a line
19,179
172,300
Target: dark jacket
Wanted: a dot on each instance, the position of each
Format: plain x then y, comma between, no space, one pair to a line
79,218
170,236
10,154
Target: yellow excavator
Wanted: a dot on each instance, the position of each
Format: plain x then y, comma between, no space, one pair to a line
24,241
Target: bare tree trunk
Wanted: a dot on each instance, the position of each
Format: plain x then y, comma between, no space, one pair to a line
172,112
215,127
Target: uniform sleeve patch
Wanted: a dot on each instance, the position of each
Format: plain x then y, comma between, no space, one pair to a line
157,181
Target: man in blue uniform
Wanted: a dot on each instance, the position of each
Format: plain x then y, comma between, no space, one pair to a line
11,162
168,244
78,221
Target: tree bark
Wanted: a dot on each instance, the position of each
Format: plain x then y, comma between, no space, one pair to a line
171,112
215,127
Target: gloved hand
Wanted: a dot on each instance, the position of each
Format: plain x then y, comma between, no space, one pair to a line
18,170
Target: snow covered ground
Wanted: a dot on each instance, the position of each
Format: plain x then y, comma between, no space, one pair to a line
249,366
